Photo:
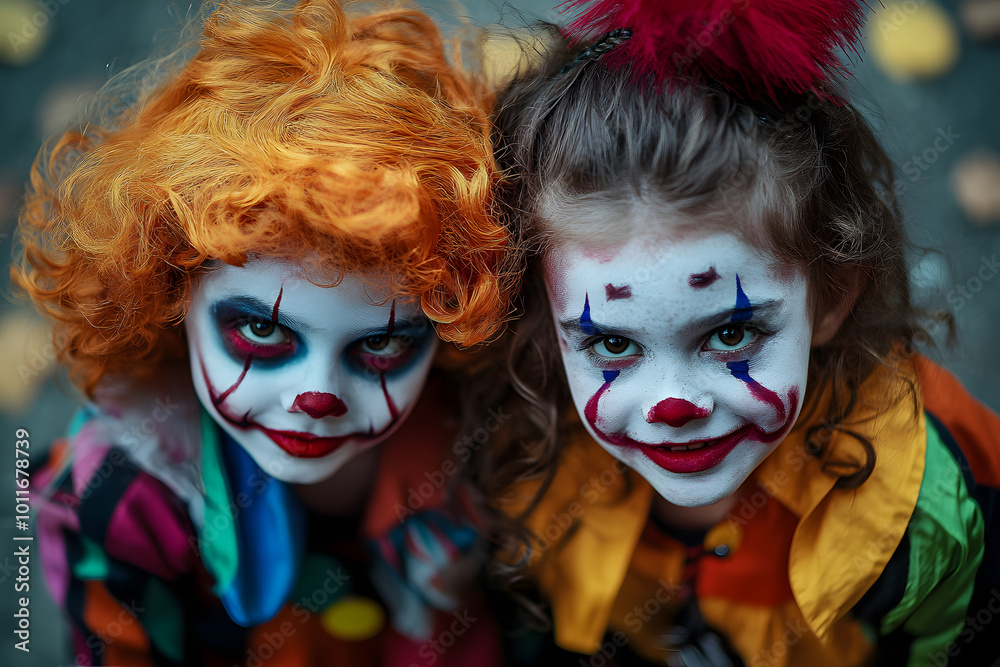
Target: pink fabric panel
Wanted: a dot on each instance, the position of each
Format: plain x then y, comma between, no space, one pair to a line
88,453
150,529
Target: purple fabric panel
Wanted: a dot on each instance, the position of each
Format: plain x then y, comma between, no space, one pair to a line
151,530
53,517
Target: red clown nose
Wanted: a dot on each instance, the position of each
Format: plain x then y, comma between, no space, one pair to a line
675,412
318,404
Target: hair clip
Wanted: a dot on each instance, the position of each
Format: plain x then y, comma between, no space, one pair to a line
600,47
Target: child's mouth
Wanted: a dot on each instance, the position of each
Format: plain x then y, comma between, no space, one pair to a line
694,456
304,445
693,445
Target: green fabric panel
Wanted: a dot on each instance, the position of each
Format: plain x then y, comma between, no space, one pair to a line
217,535
94,564
946,547
163,620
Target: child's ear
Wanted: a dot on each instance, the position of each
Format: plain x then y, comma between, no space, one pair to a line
827,323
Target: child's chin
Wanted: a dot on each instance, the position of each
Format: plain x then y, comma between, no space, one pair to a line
695,489
694,497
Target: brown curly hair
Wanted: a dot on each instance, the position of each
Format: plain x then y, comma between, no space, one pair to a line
290,132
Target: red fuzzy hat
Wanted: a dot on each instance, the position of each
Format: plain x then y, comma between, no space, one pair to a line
755,47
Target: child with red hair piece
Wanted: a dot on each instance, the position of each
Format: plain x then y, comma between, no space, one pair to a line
250,253
724,448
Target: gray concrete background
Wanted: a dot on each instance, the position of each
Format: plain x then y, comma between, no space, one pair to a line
92,38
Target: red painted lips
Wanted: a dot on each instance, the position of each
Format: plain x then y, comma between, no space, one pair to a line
696,460
304,445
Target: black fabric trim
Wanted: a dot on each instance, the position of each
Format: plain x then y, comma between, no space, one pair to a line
219,635
104,494
76,596
888,590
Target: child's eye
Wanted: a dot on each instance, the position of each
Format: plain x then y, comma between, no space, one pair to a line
616,346
383,353
263,333
259,338
731,337
383,346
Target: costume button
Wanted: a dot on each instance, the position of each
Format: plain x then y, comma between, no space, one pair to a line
723,540
353,618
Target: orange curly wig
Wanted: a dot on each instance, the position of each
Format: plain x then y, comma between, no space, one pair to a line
291,132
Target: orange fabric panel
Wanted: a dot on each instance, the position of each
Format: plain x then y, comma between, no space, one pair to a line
756,572
124,639
974,426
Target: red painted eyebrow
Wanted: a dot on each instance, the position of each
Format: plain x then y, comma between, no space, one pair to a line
613,293
703,279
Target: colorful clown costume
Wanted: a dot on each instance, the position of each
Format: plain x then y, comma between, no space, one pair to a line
242,573
905,567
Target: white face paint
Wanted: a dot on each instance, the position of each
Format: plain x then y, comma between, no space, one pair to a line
301,376
686,354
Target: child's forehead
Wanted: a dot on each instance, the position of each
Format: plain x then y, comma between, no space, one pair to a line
695,268
668,255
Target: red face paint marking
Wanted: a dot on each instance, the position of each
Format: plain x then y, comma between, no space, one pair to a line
318,404
295,443
762,393
217,400
613,293
393,411
711,454
277,302
590,410
675,412
703,279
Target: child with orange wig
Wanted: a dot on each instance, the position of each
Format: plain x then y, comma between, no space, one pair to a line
249,261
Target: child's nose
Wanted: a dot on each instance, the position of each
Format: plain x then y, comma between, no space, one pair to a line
676,412
318,404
